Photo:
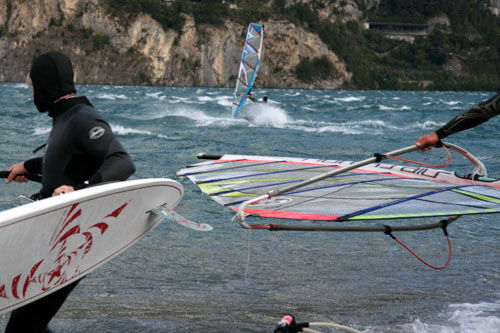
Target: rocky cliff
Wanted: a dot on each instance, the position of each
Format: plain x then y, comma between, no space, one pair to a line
109,50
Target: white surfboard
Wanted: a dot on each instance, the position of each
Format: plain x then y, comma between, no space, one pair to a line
47,244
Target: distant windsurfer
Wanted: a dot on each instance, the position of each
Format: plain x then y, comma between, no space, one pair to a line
470,118
253,99
81,151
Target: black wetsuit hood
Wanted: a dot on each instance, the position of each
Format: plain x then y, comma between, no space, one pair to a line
52,77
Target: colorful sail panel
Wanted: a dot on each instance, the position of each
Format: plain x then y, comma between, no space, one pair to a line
378,191
250,62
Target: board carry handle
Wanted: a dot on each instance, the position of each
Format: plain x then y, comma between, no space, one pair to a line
33,178
240,215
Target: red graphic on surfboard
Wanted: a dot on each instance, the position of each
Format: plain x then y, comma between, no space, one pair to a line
68,247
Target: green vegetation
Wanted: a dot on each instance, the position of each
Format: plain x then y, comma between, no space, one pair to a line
381,63
210,12
313,70
214,12
169,16
100,41
86,37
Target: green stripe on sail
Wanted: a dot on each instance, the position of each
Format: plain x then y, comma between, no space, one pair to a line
396,216
211,189
478,196
378,217
236,194
393,216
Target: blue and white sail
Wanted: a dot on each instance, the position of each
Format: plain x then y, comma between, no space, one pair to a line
250,62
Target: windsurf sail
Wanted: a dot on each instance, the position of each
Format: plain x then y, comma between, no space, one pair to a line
250,62
372,192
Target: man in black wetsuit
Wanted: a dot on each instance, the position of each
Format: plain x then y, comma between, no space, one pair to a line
81,151
253,99
470,118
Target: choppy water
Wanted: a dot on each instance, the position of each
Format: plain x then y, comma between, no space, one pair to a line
176,280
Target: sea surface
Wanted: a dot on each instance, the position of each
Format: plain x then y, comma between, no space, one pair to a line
230,280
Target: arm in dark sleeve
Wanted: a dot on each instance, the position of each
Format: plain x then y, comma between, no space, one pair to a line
470,118
34,165
116,164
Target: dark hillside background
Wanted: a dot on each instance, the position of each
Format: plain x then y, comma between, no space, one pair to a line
386,44
463,55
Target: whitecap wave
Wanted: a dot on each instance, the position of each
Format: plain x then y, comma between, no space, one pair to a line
266,115
124,131
307,108
466,317
157,95
171,111
225,101
392,108
206,98
21,85
376,127
200,118
350,99
451,103
179,99
111,96
429,124
41,130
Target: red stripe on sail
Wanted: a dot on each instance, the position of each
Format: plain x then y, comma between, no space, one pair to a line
290,215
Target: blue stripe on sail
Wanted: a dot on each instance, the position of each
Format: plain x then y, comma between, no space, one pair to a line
252,175
257,27
371,209
238,109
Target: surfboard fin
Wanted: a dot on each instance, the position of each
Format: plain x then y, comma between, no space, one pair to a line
171,215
